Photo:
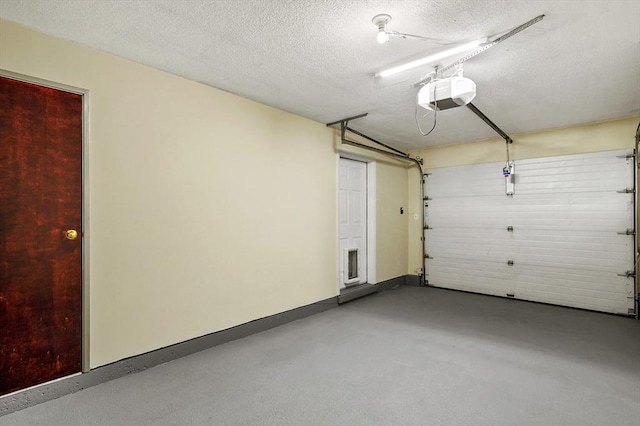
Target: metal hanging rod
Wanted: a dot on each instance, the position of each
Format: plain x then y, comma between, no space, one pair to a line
344,127
491,124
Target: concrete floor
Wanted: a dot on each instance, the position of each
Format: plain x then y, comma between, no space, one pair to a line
407,356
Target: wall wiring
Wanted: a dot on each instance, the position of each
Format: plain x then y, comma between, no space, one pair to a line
435,119
435,112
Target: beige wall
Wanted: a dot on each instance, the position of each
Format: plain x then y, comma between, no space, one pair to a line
207,210
391,229
604,136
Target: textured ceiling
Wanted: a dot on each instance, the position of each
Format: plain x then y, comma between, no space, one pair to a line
317,58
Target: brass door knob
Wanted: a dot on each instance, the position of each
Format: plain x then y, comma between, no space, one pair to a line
71,234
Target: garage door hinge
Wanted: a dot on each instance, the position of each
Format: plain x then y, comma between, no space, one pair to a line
627,156
427,199
627,232
426,256
628,274
510,262
426,227
627,191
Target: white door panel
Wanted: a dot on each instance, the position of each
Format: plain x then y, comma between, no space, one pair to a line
564,241
352,233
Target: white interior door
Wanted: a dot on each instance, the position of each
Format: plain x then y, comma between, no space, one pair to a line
561,238
352,234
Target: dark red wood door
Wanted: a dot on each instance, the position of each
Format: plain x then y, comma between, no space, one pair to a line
40,268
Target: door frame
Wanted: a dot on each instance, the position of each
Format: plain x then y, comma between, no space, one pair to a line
371,214
85,332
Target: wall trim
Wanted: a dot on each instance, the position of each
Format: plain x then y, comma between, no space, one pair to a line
67,385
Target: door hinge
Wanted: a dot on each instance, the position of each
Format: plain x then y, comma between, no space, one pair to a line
427,198
426,256
427,227
627,156
509,228
629,231
510,262
627,191
628,274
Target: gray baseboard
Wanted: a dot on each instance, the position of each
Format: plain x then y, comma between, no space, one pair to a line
45,392
393,283
355,292
361,290
412,280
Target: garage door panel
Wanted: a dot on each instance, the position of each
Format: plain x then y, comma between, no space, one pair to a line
584,260
613,292
446,182
488,212
482,277
615,211
592,278
460,243
577,179
567,243
577,301
601,241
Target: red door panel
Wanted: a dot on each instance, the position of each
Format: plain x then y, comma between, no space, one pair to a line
40,199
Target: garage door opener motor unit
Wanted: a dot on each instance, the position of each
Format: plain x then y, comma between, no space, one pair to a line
447,93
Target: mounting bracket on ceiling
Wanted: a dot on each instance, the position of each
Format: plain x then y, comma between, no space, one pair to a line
381,20
344,127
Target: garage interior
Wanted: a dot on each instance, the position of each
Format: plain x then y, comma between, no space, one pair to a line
463,174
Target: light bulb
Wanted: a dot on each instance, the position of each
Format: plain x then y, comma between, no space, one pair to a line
382,37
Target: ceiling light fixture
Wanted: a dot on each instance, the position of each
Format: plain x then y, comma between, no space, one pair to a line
381,22
430,58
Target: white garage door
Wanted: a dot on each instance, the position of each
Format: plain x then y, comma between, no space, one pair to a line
561,239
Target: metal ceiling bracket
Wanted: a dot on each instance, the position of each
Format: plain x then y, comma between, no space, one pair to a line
491,124
345,121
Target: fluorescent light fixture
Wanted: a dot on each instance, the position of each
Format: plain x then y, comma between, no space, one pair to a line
429,59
